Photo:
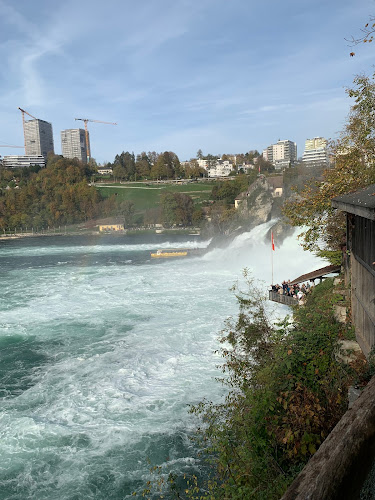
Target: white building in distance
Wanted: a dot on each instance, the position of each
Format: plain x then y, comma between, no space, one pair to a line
73,144
222,168
316,152
21,161
38,138
203,163
282,154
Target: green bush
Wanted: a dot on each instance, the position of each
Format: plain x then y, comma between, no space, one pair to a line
286,393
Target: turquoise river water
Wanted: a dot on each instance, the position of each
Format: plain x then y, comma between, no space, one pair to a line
102,350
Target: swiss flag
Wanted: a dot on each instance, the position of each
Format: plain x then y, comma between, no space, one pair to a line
272,242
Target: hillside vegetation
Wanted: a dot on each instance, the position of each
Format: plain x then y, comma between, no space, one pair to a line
57,194
287,390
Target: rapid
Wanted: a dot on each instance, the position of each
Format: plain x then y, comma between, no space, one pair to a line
102,350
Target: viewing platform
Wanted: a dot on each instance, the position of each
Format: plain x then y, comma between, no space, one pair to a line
290,299
282,299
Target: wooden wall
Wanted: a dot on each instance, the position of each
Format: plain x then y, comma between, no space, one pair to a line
363,303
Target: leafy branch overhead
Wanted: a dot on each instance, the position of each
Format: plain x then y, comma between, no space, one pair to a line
354,168
367,34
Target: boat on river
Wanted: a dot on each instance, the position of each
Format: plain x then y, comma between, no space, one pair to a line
167,254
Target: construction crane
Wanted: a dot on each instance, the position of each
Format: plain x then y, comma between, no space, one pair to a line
85,120
8,146
23,124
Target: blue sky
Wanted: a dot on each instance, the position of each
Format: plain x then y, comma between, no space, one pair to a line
179,75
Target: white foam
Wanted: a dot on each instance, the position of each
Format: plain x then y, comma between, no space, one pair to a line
128,349
97,248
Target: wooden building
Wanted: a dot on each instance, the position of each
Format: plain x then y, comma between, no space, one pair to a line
360,217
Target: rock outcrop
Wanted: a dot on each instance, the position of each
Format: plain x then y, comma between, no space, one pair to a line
254,207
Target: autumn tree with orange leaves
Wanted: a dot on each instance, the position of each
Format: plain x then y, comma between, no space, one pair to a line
323,228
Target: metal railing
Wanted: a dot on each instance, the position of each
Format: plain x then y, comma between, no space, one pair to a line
282,299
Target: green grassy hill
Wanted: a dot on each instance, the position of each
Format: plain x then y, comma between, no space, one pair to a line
147,196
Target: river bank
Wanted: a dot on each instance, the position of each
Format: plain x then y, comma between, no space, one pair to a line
90,232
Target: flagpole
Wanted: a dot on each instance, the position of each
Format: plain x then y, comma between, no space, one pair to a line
272,250
272,258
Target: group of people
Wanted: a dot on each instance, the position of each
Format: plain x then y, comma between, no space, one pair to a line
298,291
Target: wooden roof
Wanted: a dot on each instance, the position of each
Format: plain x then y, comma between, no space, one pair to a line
319,273
360,203
275,181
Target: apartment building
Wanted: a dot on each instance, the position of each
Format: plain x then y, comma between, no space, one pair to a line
73,144
20,161
282,154
316,152
222,168
38,138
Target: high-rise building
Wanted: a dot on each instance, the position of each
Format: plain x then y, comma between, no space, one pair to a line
38,138
268,154
73,144
282,154
316,153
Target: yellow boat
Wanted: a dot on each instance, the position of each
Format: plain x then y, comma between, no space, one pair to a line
166,254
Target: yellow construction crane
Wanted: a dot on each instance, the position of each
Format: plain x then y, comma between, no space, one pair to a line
85,120
23,124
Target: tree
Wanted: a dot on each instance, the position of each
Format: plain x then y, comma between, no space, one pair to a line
169,205
177,208
211,160
167,166
367,34
354,168
159,170
286,391
57,194
120,172
250,155
124,166
193,170
152,156
264,165
226,191
127,212
222,217
199,154
143,166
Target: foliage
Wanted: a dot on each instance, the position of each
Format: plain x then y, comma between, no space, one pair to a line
367,34
143,166
177,208
334,257
167,166
226,191
354,168
264,165
124,166
286,392
222,217
193,170
127,212
57,194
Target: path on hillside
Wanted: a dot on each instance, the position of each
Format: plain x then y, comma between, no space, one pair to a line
141,187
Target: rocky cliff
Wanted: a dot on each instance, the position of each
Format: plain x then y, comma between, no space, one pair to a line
254,207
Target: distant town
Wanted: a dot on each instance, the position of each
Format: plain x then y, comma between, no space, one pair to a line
75,143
